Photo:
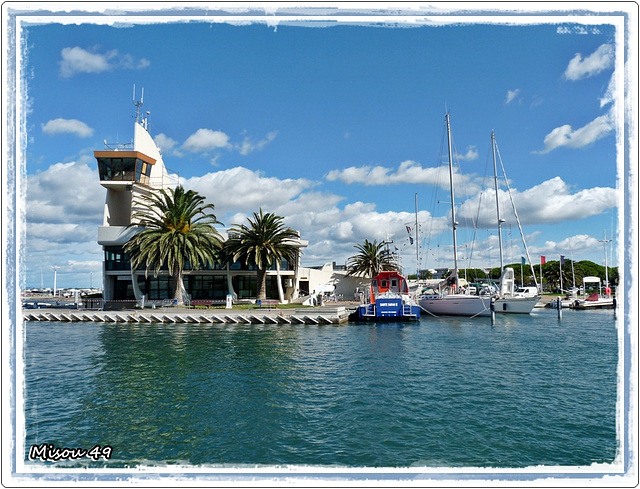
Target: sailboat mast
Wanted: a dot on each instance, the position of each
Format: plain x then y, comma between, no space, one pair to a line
453,205
495,181
417,243
606,269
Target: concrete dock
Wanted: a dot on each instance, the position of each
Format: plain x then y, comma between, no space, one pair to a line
307,315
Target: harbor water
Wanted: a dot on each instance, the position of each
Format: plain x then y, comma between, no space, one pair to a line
526,391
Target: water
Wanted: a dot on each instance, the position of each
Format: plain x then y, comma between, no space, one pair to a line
529,390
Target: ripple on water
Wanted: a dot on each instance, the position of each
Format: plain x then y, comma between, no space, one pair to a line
526,391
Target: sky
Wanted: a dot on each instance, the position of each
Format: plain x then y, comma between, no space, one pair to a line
337,124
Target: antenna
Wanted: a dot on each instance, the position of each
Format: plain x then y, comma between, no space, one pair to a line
136,103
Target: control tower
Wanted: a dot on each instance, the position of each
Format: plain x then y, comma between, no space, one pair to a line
128,171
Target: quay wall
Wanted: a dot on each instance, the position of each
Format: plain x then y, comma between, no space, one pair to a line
314,315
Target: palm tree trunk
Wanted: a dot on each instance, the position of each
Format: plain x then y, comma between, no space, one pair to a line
230,284
280,291
176,285
262,284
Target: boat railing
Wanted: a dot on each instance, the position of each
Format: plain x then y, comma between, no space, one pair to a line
370,309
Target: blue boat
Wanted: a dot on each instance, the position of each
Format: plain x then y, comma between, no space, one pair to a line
388,300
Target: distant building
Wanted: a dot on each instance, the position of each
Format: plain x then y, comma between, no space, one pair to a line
133,170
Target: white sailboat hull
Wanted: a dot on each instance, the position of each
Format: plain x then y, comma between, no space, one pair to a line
456,305
515,305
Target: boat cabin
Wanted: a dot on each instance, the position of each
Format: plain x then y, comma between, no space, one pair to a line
389,282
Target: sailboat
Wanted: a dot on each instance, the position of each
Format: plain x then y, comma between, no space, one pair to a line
508,299
449,301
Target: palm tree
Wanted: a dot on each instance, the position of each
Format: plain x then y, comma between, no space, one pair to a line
372,258
263,242
177,229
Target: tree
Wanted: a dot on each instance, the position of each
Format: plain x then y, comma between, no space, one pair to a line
372,258
264,242
177,229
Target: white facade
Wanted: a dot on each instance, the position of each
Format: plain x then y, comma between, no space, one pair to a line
131,171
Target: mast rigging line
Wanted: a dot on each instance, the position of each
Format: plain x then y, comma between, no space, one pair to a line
515,212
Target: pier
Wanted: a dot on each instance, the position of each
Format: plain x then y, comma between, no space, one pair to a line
307,315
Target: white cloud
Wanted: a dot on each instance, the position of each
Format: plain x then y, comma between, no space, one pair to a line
78,60
65,193
470,155
331,230
165,143
241,190
249,146
204,140
600,60
63,209
566,136
67,126
550,202
407,172
511,95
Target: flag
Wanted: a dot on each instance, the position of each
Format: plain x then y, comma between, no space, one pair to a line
410,240
561,259
543,260
522,261
408,229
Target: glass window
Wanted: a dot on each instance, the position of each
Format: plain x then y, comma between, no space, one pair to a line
115,258
117,169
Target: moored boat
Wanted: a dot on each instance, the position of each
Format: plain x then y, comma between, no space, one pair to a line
388,300
450,301
508,300
594,300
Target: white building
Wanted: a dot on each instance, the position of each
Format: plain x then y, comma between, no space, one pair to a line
130,171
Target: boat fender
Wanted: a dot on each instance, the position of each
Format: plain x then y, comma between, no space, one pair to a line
504,306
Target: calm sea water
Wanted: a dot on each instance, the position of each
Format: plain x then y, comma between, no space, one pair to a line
529,390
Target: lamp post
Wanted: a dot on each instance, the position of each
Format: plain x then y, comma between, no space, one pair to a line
55,278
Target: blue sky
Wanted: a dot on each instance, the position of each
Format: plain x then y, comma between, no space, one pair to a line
335,126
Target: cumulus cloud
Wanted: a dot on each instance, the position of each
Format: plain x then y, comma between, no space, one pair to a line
511,95
67,126
550,202
77,60
50,200
165,143
204,140
407,172
332,229
61,223
242,190
568,137
597,62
